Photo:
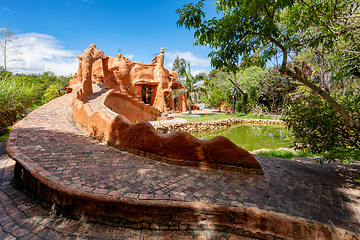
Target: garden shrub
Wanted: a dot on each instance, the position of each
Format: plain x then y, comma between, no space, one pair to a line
19,94
50,93
253,95
244,102
15,97
319,128
217,97
238,106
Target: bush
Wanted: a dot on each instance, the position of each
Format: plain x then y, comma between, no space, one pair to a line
244,102
253,95
50,93
15,97
319,128
287,154
259,110
20,94
238,106
217,97
274,89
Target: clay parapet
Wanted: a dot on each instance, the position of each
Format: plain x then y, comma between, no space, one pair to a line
130,107
177,147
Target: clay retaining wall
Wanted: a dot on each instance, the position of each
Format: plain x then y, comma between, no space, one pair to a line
133,109
176,148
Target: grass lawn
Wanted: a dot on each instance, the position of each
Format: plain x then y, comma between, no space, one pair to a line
287,154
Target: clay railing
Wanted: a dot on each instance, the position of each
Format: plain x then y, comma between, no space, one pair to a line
176,147
134,109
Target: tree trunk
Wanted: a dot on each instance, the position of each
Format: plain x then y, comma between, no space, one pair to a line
324,74
190,106
234,100
284,70
346,116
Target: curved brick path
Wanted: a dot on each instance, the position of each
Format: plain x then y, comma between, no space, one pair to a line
298,188
22,218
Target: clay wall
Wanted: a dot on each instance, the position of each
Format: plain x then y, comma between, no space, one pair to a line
133,109
177,147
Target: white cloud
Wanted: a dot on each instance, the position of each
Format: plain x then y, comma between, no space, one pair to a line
6,9
196,63
189,57
201,72
129,56
41,53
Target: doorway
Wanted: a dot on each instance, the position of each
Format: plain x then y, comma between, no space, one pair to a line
146,94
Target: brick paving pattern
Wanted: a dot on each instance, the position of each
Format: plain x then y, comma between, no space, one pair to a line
22,218
96,100
329,194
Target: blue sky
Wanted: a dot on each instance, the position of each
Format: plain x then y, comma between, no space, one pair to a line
53,33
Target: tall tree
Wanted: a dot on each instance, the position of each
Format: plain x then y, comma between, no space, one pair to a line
8,49
179,64
276,28
191,86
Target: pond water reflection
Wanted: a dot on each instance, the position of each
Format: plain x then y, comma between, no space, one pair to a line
252,137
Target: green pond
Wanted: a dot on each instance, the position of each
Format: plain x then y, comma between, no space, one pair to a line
253,137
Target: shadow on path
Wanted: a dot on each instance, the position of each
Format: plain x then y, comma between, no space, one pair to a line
22,218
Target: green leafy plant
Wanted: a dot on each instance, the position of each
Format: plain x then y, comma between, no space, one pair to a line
244,102
50,93
278,29
318,128
259,110
217,97
20,94
15,97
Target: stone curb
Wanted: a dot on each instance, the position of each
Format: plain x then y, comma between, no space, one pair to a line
214,125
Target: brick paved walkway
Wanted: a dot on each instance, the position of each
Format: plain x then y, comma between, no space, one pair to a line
299,188
96,100
22,218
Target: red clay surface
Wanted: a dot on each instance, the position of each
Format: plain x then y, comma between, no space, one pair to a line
322,200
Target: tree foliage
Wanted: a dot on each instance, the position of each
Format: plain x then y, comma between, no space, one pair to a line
19,94
318,128
8,48
179,64
217,97
275,89
250,77
275,27
15,97
191,86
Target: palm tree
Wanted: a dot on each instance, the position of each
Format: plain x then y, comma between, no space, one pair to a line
191,86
